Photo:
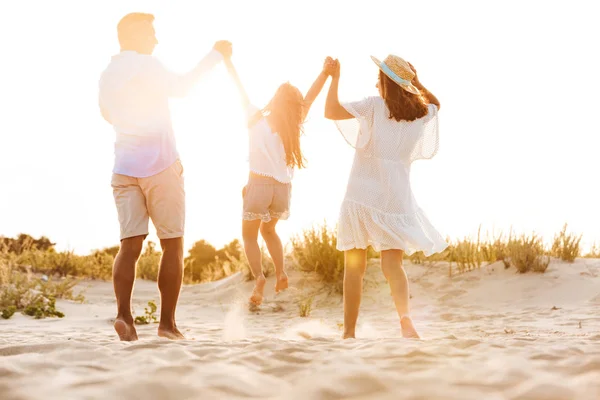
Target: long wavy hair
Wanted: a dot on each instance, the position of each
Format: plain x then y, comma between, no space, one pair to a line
403,105
286,113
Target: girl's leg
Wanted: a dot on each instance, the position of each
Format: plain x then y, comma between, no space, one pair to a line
354,272
391,264
252,250
267,230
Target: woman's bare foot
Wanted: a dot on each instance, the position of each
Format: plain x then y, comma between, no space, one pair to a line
282,282
171,333
259,288
348,335
408,329
126,331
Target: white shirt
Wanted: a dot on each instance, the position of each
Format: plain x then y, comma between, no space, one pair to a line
267,154
134,93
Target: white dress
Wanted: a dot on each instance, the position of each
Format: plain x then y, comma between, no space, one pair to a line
379,208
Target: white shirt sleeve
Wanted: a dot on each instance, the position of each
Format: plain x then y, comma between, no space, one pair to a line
252,118
251,112
179,85
357,132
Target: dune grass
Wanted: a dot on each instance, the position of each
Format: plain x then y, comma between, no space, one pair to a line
314,250
566,245
305,306
594,251
33,274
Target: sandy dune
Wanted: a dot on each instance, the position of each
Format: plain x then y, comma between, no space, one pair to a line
488,334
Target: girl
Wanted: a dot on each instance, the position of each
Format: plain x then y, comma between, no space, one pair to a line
379,209
274,144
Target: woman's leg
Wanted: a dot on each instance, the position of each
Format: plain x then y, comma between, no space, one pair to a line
252,250
269,234
391,264
354,272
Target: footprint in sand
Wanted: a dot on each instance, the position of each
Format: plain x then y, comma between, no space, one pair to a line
452,295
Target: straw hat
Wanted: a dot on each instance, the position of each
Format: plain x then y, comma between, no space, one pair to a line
399,71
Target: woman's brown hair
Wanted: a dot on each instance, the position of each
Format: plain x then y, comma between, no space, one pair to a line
403,105
286,113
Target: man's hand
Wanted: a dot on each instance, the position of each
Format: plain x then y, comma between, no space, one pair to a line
224,47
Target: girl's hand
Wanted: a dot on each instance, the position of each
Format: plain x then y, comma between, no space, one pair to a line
331,67
326,65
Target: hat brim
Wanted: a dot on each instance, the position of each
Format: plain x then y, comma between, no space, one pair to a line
399,81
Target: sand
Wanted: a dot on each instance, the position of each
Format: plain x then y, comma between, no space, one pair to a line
488,334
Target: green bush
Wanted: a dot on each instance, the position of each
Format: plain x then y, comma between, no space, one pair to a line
21,290
149,316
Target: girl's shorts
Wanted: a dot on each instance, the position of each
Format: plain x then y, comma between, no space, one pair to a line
266,198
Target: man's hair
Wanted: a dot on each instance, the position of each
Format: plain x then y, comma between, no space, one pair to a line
124,26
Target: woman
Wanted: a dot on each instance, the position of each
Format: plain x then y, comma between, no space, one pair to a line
389,133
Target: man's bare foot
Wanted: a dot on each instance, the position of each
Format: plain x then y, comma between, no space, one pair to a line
126,332
171,333
408,329
282,282
259,288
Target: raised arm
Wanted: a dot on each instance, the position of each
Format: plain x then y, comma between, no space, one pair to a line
426,93
238,83
333,109
179,85
315,89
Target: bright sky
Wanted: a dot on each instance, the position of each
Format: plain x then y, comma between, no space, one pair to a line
517,80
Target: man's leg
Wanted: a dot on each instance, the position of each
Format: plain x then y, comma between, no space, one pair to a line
165,196
133,220
123,280
170,277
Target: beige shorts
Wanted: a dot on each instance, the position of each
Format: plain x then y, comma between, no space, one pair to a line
160,197
265,198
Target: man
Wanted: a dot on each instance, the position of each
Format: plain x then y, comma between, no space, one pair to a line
147,177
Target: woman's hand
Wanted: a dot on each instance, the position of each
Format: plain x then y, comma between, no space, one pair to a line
416,78
332,67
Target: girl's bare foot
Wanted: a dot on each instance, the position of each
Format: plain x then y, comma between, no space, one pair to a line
259,289
171,333
348,335
126,331
282,282
408,329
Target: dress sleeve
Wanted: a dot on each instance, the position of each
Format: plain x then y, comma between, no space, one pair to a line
357,131
428,144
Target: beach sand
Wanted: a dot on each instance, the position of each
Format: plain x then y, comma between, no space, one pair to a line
487,334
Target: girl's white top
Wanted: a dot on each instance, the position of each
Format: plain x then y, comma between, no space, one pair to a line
379,208
267,154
